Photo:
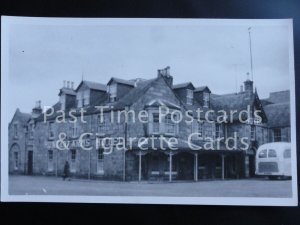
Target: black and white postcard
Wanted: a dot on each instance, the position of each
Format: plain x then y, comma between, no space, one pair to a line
148,111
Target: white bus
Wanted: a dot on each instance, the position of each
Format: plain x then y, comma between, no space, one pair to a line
274,160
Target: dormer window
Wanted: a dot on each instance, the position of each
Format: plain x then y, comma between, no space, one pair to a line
205,99
83,98
112,90
189,96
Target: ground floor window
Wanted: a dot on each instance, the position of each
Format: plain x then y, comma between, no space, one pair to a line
73,160
50,160
16,160
100,159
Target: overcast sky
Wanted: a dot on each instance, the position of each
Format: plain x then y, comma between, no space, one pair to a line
42,56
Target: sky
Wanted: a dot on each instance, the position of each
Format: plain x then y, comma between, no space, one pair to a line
42,56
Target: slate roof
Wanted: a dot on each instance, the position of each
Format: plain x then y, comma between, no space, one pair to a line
202,88
183,85
279,96
238,101
121,81
92,85
23,117
278,114
68,91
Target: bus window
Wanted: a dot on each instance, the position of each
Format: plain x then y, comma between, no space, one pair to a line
272,153
287,153
262,154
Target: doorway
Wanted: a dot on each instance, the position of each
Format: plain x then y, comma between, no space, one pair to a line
30,162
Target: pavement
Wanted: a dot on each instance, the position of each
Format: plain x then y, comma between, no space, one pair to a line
42,185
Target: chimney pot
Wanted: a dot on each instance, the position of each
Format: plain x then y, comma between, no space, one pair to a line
241,88
68,84
64,83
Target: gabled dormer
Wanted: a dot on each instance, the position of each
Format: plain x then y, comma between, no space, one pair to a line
88,93
202,95
117,88
185,91
67,96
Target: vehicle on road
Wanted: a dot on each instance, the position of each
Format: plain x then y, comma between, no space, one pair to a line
274,160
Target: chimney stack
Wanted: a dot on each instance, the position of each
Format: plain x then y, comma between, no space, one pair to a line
64,83
165,73
37,110
72,85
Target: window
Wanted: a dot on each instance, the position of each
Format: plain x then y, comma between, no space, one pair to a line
100,164
15,130
83,98
205,99
272,153
86,97
169,124
102,125
218,130
73,160
50,155
16,158
189,97
155,124
31,130
50,130
50,160
74,130
112,89
208,130
73,155
277,134
252,132
257,120
287,153
200,129
262,154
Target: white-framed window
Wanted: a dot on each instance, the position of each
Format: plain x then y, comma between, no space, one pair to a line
189,96
208,129
112,89
102,124
155,123
86,97
15,130
170,126
200,129
16,160
74,130
31,130
50,160
50,130
83,98
252,132
218,130
100,161
73,156
205,99
277,134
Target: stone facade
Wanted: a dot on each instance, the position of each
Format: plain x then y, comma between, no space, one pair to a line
38,152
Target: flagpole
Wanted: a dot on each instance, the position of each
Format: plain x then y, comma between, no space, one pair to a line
250,46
